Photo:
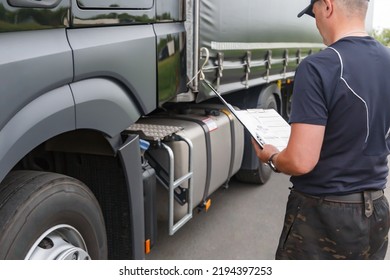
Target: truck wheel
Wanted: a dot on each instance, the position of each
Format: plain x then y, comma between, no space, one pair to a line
260,172
51,217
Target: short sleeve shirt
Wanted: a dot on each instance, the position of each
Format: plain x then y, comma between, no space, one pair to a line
346,88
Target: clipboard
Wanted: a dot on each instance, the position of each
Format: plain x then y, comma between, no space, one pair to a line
266,126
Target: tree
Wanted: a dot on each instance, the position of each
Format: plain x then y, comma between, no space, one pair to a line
383,36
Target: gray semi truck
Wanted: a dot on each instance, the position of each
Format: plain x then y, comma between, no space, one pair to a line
106,125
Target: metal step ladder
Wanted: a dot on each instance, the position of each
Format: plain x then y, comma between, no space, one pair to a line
158,134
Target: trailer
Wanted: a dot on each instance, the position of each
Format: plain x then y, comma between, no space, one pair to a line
106,125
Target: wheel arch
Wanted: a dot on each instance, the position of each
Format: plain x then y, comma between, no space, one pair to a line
44,117
86,117
97,104
105,105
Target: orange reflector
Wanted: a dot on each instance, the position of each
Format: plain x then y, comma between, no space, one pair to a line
207,204
147,246
279,84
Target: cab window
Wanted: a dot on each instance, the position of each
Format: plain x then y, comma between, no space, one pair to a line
115,4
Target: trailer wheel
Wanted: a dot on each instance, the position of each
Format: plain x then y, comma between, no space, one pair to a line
260,173
49,216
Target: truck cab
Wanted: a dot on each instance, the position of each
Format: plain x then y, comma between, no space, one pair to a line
75,74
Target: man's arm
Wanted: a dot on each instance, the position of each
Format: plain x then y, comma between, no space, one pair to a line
302,152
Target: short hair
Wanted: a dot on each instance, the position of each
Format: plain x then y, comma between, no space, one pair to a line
353,8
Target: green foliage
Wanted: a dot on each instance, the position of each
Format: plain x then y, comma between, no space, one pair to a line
383,36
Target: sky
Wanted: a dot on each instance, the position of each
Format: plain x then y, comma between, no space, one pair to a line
381,17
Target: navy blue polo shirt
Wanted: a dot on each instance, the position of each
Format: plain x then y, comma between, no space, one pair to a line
346,87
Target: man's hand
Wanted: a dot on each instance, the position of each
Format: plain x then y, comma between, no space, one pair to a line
265,153
302,152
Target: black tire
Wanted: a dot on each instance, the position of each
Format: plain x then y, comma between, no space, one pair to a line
267,100
41,208
263,172
257,176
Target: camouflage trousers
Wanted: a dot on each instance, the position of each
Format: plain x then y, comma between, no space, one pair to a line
318,229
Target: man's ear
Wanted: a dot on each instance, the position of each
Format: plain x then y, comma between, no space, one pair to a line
329,6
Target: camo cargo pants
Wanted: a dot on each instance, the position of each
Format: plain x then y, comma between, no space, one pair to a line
316,228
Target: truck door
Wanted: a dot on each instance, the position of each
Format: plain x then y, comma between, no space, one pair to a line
114,40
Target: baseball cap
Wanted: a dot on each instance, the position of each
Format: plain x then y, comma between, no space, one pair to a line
308,10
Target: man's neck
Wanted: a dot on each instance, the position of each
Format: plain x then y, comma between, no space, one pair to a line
357,30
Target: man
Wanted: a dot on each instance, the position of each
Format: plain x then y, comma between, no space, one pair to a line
337,151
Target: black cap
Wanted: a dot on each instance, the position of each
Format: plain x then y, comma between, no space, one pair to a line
308,10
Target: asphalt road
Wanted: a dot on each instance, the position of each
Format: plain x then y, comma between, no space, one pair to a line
243,223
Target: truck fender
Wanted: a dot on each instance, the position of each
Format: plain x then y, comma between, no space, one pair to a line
44,117
129,154
104,105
